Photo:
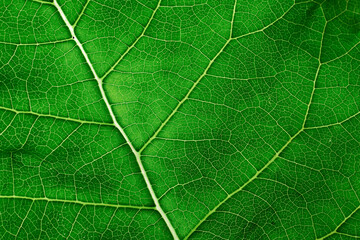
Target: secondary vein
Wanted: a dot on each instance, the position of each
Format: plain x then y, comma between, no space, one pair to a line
133,44
206,72
246,183
77,202
55,117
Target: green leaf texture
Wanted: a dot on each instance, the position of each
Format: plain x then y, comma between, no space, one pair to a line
179,119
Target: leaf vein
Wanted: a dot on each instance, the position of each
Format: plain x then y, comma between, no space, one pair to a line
77,202
134,43
117,125
55,117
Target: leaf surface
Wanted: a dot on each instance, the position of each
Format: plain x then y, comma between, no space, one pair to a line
190,119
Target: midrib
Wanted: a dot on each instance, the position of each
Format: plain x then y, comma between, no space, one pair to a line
117,125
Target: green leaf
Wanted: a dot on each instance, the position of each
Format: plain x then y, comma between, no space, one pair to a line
179,119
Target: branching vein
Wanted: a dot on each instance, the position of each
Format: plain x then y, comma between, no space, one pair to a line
117,125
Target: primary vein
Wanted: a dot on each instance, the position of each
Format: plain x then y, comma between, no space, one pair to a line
117,125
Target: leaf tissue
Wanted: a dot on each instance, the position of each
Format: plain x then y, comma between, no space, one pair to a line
180,119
